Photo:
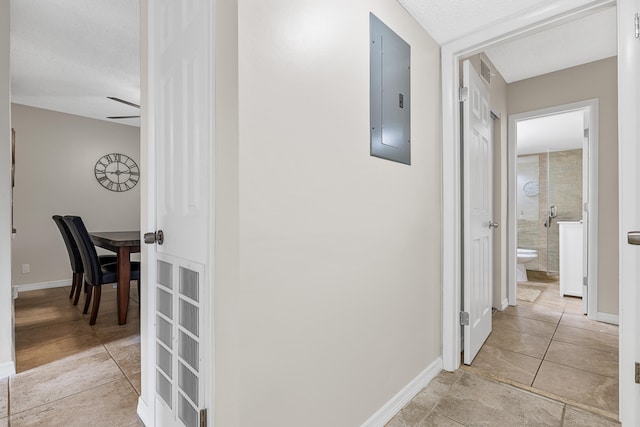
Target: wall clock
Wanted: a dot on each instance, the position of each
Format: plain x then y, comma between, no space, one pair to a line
117,172
531,188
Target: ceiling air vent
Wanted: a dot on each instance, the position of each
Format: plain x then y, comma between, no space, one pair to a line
485,72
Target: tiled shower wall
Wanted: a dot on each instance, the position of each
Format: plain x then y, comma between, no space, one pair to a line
563,170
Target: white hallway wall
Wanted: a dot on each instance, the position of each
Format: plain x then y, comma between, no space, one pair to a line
55,157
337,290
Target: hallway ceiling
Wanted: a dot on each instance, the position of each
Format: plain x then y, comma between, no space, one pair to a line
69,56
579,42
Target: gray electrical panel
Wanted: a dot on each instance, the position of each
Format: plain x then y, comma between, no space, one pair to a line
390,97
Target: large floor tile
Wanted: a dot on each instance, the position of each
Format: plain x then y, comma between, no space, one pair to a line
538,328
127,358
507,364
583,358
475,401
422,404
4,422
587,339
533,311
4,397
436,420
60,379
577,418
111,404
42,296
582,322
57,350
529,345
581,386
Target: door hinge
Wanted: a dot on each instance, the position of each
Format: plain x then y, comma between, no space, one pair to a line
586,133
585,281
637,373
637,24
585,207
463,94
203,418
464,318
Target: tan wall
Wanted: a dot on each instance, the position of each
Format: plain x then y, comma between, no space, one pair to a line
55,158
6,301
595,80
334,291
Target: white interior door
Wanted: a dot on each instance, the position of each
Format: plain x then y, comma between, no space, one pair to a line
629,201
181,115
478,223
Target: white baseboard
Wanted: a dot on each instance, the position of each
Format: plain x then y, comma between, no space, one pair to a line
42,285
614,319
505,304
392,407
7,369
143,412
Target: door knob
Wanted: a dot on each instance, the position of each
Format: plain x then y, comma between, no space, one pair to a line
493,224
633,237
151,238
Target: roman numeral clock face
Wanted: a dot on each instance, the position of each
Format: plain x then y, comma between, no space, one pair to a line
117,172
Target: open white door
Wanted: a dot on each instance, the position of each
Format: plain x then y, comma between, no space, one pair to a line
629,200
478,223
180,101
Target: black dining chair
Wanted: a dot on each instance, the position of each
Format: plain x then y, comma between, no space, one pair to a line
95,274
75,259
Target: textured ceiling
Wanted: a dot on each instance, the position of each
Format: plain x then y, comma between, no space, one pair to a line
69,55
558,132
579,42
448,20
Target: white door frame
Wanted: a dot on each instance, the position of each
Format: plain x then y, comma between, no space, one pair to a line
629,179
592,106
528,23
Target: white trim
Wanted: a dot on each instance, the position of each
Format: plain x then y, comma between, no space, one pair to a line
7,369
592,106
42,285
527,23
504,304
614,319
397,402
144,412
628,178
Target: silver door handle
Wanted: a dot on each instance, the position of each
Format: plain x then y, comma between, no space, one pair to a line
493,224
633,237
151,238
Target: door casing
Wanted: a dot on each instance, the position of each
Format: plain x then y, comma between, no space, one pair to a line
592,105
553,14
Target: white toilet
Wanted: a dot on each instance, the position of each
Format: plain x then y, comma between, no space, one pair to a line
524,256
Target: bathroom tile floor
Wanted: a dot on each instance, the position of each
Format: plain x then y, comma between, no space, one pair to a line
70,373
544,363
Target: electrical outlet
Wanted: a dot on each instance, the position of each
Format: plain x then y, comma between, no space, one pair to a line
26,268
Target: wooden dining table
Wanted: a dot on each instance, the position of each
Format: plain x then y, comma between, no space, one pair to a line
123,243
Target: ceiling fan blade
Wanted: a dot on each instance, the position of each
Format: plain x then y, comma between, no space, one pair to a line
123,101
123,117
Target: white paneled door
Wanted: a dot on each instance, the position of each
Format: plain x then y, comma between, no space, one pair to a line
478,222
181,133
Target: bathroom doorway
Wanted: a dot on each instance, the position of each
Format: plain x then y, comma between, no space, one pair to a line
553,201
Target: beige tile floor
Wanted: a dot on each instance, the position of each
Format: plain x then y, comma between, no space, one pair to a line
544,364
70,373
